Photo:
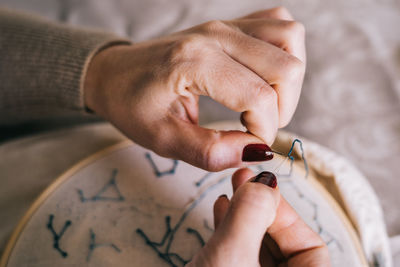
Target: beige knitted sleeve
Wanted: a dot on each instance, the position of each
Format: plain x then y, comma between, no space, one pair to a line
42,66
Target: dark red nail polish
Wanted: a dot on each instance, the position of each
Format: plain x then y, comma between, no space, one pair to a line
224,196
267,178
257,152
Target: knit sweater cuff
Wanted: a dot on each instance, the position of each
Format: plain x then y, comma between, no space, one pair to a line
43,66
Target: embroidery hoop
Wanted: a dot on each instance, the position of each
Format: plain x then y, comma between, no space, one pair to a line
64,177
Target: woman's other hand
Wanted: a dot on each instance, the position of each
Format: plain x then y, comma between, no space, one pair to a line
257,227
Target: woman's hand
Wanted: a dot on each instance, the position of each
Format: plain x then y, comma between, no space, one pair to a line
254,65
257,227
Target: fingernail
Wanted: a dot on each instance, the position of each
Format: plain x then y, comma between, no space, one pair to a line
224,196
257,152
267,178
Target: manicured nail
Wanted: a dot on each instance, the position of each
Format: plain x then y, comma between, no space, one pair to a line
267,178
257,152
224,196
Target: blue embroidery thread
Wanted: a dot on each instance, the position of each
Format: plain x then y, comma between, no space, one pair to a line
93,245
98,197
159,173
292,159
57,236
170,232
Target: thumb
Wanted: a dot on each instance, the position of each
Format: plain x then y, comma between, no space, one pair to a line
214,150
252,210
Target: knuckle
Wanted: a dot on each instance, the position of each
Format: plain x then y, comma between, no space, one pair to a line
295,28
214,26
268,93
265,95
210,159
293,36
294,68
281,12
212,156
186,47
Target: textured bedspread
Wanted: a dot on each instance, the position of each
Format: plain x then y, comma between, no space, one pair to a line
351,95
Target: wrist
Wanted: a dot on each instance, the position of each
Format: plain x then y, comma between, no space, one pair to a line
95,80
